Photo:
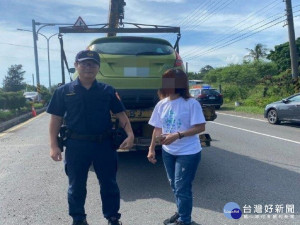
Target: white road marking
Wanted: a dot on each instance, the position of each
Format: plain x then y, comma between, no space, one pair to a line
242,117
19,125
254,132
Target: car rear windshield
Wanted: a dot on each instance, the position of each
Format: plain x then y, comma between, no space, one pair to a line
132,48
210,92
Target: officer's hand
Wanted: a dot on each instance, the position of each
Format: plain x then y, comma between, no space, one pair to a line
55,154
127,143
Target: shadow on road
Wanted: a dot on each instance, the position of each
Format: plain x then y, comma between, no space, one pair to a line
289,124
222,177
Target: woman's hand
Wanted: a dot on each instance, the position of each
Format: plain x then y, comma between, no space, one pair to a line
170,138
151,156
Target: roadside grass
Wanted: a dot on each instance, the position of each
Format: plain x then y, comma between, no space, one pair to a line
241,108
5,115
10,114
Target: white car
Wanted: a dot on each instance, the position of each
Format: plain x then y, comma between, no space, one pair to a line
31,96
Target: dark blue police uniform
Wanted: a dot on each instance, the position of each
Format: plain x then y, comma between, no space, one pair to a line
87,112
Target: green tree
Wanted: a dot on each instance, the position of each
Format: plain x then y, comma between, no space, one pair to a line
193,76
246,74
205,69
281,55
29,87
257,53
13,81
46,96
53,88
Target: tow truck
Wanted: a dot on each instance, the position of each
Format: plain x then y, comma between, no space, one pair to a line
138,117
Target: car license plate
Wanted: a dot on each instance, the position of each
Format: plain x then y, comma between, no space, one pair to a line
136,71
212,97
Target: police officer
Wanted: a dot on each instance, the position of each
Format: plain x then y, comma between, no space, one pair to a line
85,105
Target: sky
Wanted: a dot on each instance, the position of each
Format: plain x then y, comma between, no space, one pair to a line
213,32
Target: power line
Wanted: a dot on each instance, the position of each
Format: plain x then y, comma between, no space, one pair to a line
194,14
232,41
231,36
205,12
28,46
218,46
235,27
243,38
222,6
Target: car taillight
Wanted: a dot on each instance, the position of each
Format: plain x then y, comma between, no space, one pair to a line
178,60
220,95
201,96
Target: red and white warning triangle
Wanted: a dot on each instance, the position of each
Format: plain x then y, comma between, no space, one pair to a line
80,23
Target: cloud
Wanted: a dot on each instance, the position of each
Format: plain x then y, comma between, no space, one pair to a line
233,59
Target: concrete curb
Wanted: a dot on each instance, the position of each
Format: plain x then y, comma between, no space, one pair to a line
15,121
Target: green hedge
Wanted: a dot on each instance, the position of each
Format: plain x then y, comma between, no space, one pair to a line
6,115
12,100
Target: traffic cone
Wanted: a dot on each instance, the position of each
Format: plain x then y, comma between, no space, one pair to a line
33,112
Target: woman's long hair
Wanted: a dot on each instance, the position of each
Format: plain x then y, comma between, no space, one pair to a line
174,81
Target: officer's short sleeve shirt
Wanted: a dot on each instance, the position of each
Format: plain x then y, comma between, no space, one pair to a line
86,111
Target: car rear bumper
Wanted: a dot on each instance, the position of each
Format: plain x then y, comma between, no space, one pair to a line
210,103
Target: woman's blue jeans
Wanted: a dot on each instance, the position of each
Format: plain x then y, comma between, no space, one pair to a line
181,171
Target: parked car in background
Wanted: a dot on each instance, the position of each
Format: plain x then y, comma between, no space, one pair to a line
208,96
288,109
31,96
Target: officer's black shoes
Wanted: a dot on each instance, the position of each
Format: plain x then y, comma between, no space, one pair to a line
114,221
172,219
79,222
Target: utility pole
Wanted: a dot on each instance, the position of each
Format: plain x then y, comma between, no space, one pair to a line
186,67
32,79
292,42
36,57
116,14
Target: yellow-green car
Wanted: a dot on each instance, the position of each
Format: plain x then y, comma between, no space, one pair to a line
134,66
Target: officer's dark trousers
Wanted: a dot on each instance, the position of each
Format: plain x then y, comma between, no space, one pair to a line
79,156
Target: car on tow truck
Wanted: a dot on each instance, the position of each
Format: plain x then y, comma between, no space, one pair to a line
134,66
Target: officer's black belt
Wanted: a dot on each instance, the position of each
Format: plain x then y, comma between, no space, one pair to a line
93,138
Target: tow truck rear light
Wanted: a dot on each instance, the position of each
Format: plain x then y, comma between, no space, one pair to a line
178,60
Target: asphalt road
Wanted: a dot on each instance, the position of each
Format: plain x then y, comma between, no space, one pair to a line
250,162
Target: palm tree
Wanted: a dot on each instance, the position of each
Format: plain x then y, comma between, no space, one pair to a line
257,53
